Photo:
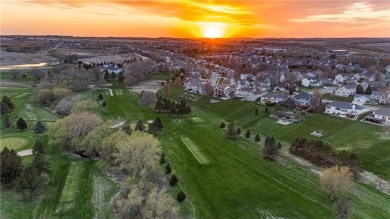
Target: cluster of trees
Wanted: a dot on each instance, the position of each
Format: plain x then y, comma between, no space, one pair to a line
138,156
72,78
173,181
156,125
171,107
27,181
50,97
138,71
360,90
323,155
232,132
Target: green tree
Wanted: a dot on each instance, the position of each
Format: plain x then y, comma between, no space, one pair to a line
256,111
8,102
4,109
231,132
180,196
30,182
140,126
247,134
127,128
21,124
359,89
38,148
6,121
121,78
39,127
222,125
106,75
11,166
162,160
238,131
266,110
113,75
168,169
104,104
270,150
173,181
342,208
257,138
368,90
100,96
40,164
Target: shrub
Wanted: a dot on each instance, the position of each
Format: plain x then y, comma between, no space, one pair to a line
222,125
174,180
181,196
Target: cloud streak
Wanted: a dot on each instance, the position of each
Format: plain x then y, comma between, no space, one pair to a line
353,13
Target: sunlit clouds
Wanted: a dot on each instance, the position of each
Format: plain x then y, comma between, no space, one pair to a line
196,18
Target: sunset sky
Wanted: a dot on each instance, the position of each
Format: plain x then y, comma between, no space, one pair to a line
196,18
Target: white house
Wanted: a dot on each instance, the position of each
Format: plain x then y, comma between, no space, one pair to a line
344,109
383,114
254,95
361,99
340,78
305,82
346,90
380,97
273,98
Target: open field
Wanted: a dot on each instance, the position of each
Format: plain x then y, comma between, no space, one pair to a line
119,58
201,158
238,182
7,59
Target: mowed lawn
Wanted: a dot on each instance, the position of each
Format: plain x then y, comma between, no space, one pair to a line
237,182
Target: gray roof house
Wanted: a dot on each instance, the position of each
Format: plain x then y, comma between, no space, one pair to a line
302,99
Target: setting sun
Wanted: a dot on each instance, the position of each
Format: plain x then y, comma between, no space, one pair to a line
213,30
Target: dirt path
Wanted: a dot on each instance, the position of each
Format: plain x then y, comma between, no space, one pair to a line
25,152
117,125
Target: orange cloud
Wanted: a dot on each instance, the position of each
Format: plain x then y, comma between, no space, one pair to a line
184,18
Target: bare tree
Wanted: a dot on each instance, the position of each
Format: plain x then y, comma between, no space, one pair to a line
336,179
148,98
37,74
166,88
208,88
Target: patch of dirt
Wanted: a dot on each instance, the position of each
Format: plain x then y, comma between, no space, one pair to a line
25,152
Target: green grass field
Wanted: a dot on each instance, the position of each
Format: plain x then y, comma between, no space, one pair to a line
201,158
238,182
77,189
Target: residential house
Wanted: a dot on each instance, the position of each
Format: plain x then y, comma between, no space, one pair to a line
195,86
361,99
346,90
305,82
340,78
273,98
344,109
302,99
380,97
383,114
